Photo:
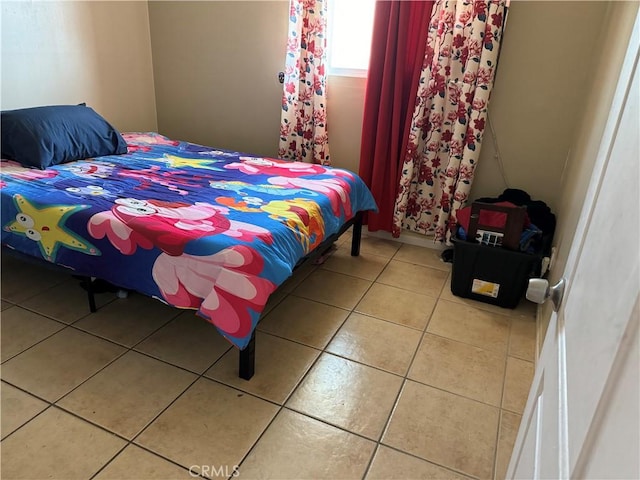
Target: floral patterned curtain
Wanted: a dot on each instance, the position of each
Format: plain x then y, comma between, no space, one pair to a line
303,127
449,116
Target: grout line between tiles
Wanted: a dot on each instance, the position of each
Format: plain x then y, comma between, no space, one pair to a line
432,267
38,342
50,287
475,400
397,399
127,350
504,388
190,472
49,404
167,362
134,437
46,315
488,307
295,387
273,307
388,321
65,325
467,343
303,377
406,379
202,376
169,405
326,422
475,307
457,472
300,381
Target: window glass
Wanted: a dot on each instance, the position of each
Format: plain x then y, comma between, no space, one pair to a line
349,43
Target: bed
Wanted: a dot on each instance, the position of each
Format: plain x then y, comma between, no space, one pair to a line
196,227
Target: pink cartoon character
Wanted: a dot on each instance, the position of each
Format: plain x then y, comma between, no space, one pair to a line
135,138
167,225
225,286
332,183
15,170
154,175
271,166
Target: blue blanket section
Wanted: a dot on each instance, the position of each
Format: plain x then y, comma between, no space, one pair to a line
199,228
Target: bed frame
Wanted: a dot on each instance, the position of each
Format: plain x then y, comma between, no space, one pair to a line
247,360
246,367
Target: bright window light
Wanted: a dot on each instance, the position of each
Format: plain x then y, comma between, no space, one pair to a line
350,27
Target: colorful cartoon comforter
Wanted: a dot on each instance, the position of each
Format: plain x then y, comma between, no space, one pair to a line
199,228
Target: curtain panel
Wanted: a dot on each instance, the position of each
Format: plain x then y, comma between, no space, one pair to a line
397,53
303,126
449,117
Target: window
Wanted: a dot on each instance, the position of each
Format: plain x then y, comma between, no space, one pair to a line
350,25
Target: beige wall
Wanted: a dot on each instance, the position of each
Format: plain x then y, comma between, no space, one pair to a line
73,52
216,69
542,80
608,58
216,66
345,106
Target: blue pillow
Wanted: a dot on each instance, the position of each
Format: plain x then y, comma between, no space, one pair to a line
44,136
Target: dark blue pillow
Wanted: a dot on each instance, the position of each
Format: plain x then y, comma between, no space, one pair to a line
44,136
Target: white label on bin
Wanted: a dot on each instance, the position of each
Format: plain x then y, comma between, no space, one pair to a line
488,289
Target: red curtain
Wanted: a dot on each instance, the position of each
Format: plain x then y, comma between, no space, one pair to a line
397,53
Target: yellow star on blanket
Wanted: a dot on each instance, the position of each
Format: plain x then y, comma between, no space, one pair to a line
179,162
45,225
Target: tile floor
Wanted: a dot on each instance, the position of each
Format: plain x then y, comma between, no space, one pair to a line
367,367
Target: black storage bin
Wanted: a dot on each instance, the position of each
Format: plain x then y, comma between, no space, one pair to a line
491,274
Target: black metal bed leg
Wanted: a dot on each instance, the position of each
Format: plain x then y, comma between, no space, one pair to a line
92,299
247,365
356,234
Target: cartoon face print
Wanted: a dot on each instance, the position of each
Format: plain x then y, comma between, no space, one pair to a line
89,190
258,162
217,153
27,223
135,208
253,201
170,226
172,180
90,169
46,225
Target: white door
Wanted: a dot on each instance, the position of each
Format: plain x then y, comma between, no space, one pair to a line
582,416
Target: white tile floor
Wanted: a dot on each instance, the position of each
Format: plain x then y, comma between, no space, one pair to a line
366,367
